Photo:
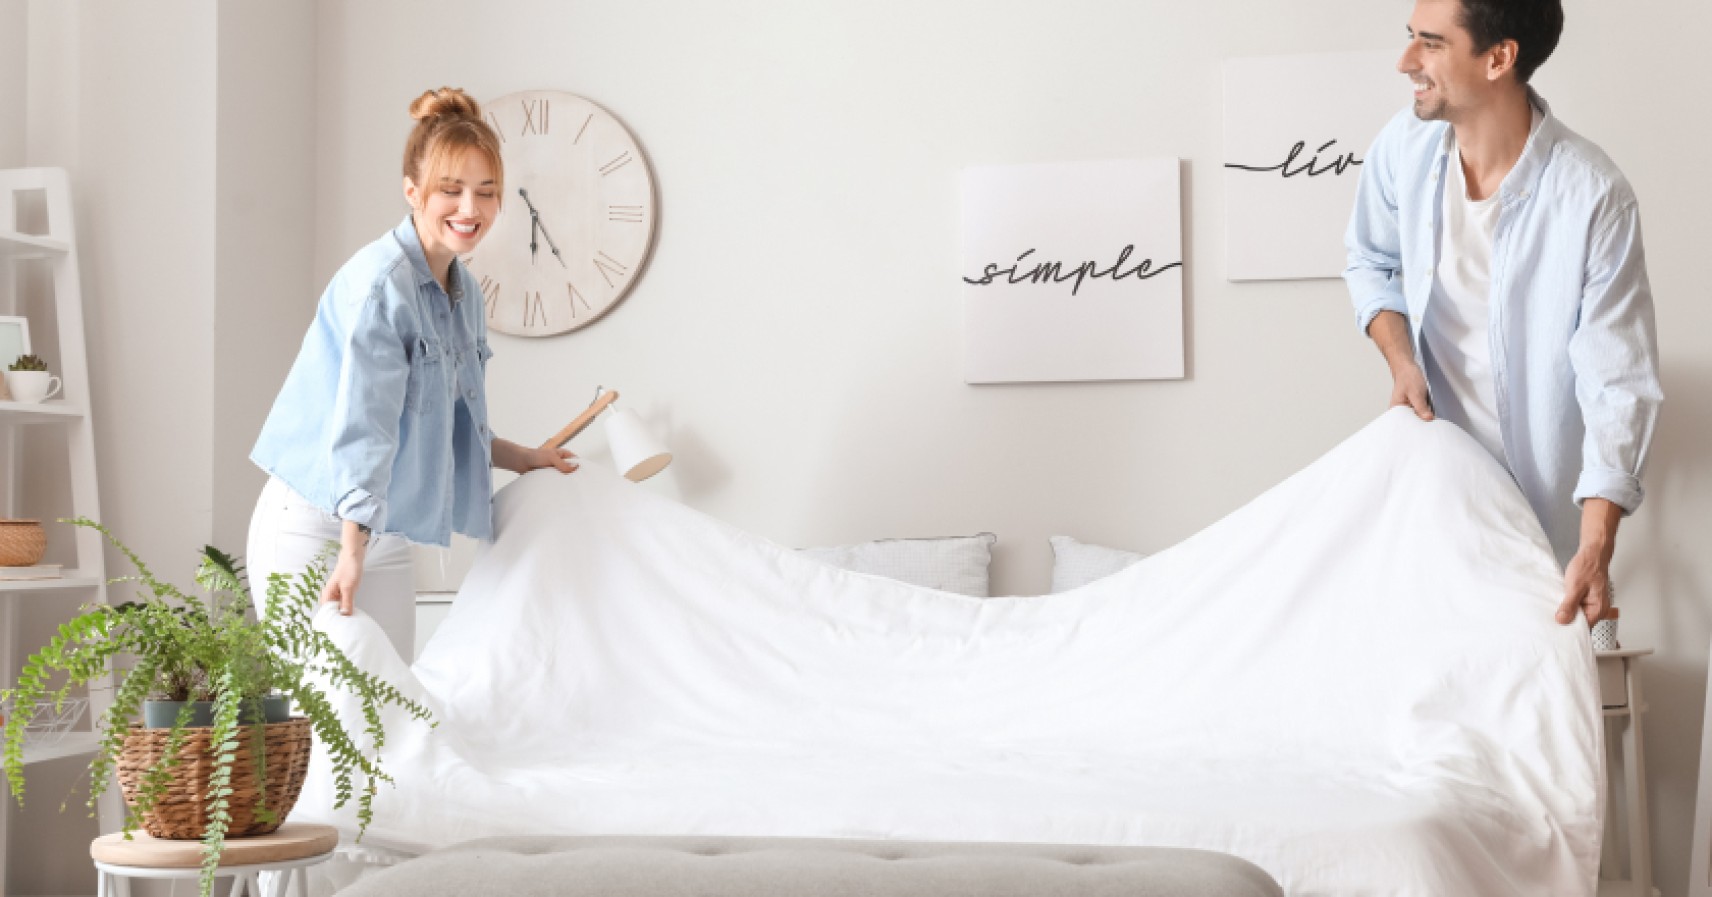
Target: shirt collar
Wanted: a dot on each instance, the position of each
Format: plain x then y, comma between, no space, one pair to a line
407,237
1524,179
1524,176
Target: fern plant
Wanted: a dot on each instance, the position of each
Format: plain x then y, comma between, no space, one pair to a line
189,646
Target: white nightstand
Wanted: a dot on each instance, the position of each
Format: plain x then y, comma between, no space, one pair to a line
431,611
1625,822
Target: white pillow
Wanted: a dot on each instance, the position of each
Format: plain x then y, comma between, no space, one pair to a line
952,564
1075,564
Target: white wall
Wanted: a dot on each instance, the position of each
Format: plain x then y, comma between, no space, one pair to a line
798,330
264,245
14,28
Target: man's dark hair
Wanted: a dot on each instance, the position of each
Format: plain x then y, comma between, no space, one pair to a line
1534,25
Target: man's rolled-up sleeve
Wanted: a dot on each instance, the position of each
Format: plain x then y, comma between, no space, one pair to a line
1614,353
1375,260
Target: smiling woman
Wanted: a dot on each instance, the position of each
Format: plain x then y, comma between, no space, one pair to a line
380,433
454,175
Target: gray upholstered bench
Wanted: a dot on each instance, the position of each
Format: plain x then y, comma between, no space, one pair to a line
616,866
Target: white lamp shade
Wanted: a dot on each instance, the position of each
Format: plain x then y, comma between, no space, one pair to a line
636,452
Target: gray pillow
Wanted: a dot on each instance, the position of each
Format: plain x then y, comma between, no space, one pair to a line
951,564
1075,564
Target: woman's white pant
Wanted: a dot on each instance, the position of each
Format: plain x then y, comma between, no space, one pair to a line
287,533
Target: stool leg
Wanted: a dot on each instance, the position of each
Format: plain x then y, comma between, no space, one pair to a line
100,884
121,886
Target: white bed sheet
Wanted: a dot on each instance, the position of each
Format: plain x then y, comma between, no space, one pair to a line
1354,681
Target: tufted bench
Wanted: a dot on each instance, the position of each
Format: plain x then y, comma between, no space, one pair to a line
624,866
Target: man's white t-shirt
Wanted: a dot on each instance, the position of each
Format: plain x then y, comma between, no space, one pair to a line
1455,329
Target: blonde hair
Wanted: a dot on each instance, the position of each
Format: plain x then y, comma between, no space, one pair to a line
448,124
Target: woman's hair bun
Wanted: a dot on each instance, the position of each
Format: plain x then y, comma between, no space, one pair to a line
446,102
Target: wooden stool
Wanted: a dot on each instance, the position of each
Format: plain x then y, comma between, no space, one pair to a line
290,850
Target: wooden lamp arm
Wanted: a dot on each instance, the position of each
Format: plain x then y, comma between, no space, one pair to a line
581,421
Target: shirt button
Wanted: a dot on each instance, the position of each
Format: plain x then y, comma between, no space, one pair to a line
470,394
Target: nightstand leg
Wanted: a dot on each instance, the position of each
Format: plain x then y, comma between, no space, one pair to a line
1635,788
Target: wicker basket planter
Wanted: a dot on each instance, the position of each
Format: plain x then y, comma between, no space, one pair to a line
181,813
22,542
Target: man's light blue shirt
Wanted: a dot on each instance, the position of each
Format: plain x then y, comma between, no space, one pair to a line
1571,333
383,418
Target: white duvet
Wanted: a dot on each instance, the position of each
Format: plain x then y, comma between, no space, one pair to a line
1354,681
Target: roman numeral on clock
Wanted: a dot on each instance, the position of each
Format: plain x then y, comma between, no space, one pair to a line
609,267
615,163
576,298
577,139
490,294
534,313
632,214
535,116
493,119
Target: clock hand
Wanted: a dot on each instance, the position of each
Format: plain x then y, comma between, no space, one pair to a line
551,245
534,225
535,221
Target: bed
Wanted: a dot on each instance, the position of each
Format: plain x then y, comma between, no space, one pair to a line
1353,682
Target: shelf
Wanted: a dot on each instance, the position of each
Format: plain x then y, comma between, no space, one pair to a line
73,579
50,411
74,744
16,245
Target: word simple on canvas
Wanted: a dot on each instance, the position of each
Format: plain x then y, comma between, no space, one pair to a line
1311,168
1043,272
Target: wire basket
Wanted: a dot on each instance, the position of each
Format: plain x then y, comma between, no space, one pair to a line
47,726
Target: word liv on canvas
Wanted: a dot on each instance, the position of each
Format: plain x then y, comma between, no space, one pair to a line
1054,271
1337,167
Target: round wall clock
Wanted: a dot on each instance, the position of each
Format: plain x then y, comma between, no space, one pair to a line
578,217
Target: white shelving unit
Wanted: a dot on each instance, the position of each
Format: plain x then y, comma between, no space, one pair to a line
54,252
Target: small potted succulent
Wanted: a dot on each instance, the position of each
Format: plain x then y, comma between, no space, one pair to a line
217,754
28,380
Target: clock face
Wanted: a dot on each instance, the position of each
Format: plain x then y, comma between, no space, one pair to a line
577,220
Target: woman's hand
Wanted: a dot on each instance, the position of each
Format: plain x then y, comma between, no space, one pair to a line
341,587
517,459
562,460
342,582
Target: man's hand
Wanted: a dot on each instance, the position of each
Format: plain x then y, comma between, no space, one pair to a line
1390,332
1409,387
1587,588
1587,580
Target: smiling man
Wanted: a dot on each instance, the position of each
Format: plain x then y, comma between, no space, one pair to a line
1495,258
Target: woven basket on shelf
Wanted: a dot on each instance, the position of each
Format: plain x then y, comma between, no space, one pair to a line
22,542
182,812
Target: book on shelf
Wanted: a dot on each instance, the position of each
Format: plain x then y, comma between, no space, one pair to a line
39,571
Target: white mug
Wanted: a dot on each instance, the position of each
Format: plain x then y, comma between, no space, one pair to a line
31,386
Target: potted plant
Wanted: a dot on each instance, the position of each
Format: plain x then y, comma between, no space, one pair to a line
28,380
216,761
